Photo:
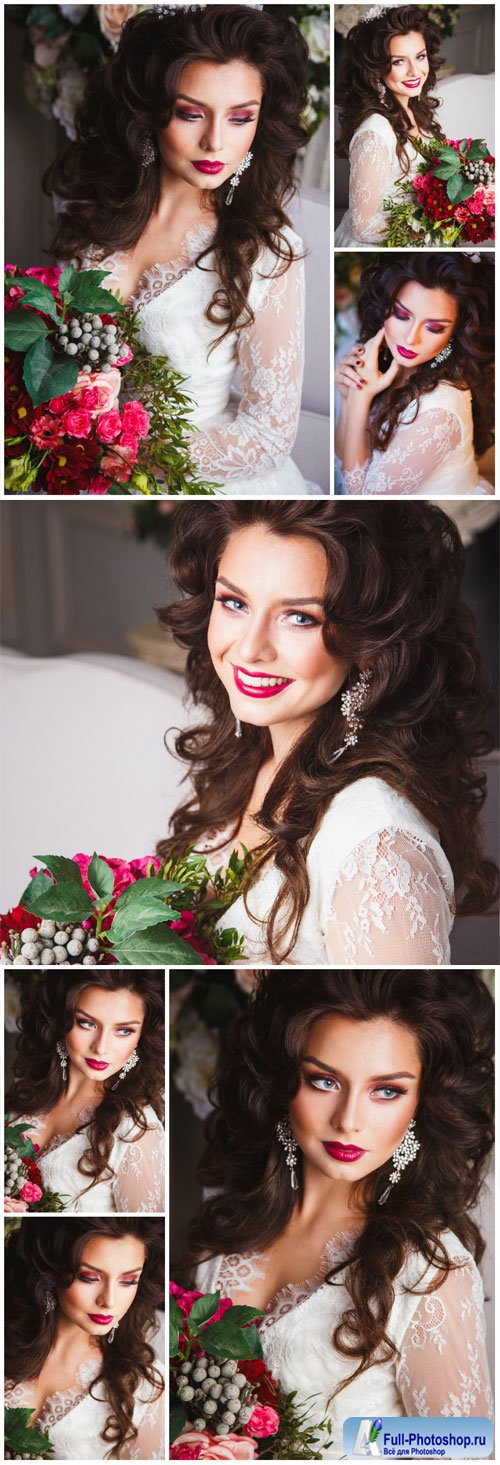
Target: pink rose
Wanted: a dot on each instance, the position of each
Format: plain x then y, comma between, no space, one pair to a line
129,444
98,484
135,419
185,1301
58,405
125,355
117,467
489,199
461,214
109,426
263,1421
47,52
30,1192
112,18
77,423
14,1207
48,274
195,1444
106,384
476,203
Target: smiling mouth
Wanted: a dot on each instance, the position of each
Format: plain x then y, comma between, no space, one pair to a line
413,84
409,355
255,684
92,1063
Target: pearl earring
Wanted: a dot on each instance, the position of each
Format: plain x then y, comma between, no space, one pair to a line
131,1062
403,1156
234,181
287,1139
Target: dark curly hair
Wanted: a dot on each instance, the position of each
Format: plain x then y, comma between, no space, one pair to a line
47,1013
44,1257
258,1073
392,603
134,95
471,363
367,63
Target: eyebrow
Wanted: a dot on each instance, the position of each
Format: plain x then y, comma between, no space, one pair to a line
181,97
377,1078
297,600
438,320
131,1273
130,1022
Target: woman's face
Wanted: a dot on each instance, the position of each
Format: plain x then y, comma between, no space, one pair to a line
409,66
214,122
105,1285
265,631
358,1092
420,323
106,1029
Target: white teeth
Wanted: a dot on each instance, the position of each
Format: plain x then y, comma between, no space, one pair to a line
262,681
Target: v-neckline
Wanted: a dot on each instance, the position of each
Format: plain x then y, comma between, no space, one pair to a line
157,278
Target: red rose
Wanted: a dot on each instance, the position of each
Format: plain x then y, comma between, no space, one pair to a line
16,920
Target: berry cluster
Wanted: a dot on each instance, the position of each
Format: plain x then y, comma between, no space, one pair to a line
215,1394
479,172
95,346
54,945
15,1172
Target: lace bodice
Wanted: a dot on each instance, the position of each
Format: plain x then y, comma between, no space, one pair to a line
440,1367
381,888
74,1419
432,450
137,1162
375,171
246,441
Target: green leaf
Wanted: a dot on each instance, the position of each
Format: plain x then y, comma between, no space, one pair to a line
86,294
241,1315
22,1440
175,1325
143,904
100,877
202,1310
223,1340
448,153
463,145
445,171
23,328
46,375
36,887
177,1421
38,296
64,902
157,946
66,278
458,189
478,150
61,868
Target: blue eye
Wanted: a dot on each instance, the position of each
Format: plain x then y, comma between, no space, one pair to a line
316,1082
389,1092
231,602
302,618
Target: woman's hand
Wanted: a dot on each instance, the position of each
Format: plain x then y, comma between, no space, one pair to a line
349,369
372,379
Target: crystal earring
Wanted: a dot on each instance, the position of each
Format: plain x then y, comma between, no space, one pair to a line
50,1302
403,1156
111,1334
237,730
351,704
234,181
380,89
131,1062
287,1139
149,152
62,1053
442,355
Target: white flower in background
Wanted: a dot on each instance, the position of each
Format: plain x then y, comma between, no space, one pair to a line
72,83
112,17
73,13
197,1056
346,16
12,1004
310,114
316,33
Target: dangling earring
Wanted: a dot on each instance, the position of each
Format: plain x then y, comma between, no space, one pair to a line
131,1062
380,89
114,1330
442,355
351,704
405,1153
237,730
287,1139
149,152
62,1053
234,181
50,1302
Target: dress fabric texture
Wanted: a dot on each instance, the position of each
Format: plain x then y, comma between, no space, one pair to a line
441,1367
137,1161
432,450
381,887
375,172
242,443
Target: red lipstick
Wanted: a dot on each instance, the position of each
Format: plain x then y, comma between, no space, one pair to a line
408,355
93,1063
413,84
259,684
348,1153
99,1317
209,167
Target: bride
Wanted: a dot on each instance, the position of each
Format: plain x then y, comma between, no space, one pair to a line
177,184
416,391
80,1328
343,706
384,101
346,1156
89,1079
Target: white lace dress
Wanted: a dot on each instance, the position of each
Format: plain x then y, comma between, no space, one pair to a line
74,1420
137,1162
431,452
245,442
381,888
441,1367
375,172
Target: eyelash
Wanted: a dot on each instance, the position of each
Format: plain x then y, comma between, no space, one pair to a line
434,330
395,1093
81,1022
228,601
198,117
91,1280
399,61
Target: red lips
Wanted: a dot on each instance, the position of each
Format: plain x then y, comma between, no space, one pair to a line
409,355
209,167
93,1063
347,1153
249,684
99,1317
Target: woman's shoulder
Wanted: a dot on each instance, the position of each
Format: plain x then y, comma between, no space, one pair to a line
129,1130
368,804
419,1277
269,262
452,398
377,124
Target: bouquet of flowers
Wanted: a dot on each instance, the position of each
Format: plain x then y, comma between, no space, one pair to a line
87,911
451,197
71,351
23,1183
23,1441
224,1402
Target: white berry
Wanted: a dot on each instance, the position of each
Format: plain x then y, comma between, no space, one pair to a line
29,934
74,948
20,961
89,961
47,958
61,938
47,928
31,950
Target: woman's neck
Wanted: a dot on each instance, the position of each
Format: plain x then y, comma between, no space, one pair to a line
323,1198
179,202
82,1090
71,1341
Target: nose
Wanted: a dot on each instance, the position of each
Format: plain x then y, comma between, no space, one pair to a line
212,139
106,1298
413,337
100,1045
256,642
347,1116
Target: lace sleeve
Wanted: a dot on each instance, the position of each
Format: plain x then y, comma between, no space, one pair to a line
139,1183
150,1441
370,165
271,359
416,450
389,905
443,1368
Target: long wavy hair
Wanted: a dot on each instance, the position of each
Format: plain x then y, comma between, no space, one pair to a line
470,282
367,63
46,1015
43,1257
109,196
392,603
258,1073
